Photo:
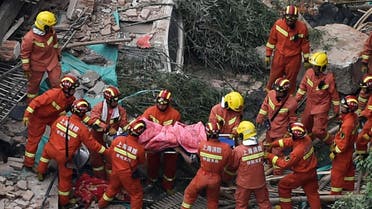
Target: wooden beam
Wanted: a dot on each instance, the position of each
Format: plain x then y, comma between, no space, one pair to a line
76,44
13,28
9,10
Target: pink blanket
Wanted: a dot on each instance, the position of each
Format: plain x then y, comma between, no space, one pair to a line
157,137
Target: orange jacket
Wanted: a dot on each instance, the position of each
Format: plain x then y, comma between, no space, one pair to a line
286,115
126,153
302,159
78,133
229,118
363,100
347,135
40,52
319,100
50,104
367,52
248,160
367,112
287,41
96,116
168,117
214,156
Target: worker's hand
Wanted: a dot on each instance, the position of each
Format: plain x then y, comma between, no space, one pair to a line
26,120
332,155
112,131
267,62
307,65
364,68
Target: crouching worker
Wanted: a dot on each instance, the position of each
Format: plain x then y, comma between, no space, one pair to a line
214,156
66,135
302,161
247,158
126,154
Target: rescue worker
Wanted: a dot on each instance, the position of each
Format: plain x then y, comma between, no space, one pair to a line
302,161
126,154
40,53
365,135
228,114
44,110
214,156
248,159
279,110
320,88
106,117
164,114
66,135
287,40
342,149
365,91
366,55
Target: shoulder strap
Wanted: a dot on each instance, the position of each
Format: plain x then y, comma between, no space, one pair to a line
66,137
277,111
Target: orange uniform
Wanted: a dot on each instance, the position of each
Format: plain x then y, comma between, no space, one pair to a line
248,161
302,161
363,100
343,171
113,118
288,44
40,54
229,119
126,154
318,102
43,111
214,156
167,117
365,135
367,53
56,149
279,124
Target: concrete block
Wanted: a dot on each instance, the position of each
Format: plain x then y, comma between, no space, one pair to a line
28,195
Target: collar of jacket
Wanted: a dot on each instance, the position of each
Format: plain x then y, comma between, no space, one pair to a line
37,31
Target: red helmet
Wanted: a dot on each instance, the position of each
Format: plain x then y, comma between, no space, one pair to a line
111,93
136,127
282,84
212,130
350,102
297,130
69,82
291,10
366,81
164,97
80,107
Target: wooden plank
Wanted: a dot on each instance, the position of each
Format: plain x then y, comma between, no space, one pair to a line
8,12
13,28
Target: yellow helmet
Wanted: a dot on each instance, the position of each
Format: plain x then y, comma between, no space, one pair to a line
247,132
45,18
233,100
319,59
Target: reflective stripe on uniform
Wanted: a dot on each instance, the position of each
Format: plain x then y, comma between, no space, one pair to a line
300,91
31,95
337,149
55,105
336,189
212,156
102,150
50,40
309,153
307,55
63,129
335,102
86,119
125,153
98,168
232,121
63,193
185,205
167,178
55,45
365,57
282,199
283,110
44,160
252,157
281,143
154,119
39,44
271,104
271,46
310,82
262,112
361,99
168,122
107,198
275,158
25,61
281,30
29,109
349,178
29,154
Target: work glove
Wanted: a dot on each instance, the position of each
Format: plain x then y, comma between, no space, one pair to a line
267,62
25,121
307,65
364,68
332,155
112,131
